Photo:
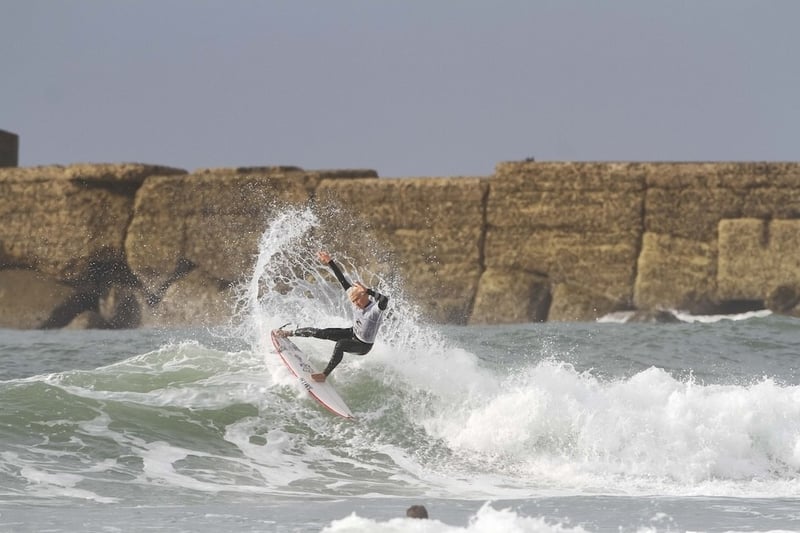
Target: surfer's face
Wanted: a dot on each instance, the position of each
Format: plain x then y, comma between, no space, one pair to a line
359,297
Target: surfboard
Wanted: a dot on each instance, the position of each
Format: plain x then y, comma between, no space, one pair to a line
297,362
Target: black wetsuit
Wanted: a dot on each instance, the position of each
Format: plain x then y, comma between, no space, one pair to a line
346,338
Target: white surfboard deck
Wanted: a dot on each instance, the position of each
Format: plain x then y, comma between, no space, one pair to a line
298,363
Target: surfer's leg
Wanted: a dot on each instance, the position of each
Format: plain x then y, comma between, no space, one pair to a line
305,332
334,334
364,349
349,345
336,358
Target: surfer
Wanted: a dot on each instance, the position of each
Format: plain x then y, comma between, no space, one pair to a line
368,308
417,511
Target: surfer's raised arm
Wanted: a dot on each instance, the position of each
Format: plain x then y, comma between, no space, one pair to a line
383,301
326,258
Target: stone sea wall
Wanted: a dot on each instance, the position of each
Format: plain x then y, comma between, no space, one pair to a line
131,245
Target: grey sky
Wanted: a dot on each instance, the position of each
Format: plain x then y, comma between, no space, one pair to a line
409,88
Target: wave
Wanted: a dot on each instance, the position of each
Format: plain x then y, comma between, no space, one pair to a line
622,317
196,421
189,421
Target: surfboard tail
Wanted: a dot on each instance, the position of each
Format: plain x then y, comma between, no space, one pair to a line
297,363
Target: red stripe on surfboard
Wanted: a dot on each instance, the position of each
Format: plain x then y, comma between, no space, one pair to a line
276,343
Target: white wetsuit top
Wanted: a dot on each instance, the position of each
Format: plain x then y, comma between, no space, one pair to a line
367,321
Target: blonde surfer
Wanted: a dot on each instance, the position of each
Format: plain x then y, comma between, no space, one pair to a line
368,307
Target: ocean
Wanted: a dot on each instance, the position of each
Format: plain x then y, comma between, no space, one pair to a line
601,426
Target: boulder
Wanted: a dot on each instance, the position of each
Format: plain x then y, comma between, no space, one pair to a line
120,308
87,320
508,297
27,298
193,300
784,299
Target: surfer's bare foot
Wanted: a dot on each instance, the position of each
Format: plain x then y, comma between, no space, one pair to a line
283,333
319,378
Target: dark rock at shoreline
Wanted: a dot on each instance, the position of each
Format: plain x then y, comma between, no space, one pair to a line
654,316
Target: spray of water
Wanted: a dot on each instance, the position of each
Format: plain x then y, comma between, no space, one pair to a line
288,284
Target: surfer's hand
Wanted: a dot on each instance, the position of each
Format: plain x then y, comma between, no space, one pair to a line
319,378
325,257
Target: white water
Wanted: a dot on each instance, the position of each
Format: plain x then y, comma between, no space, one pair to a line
524,413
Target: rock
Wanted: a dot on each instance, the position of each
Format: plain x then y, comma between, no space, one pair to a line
756,256
654,316
687,209
125,244
578,224
674,272
9,149
87,320
509,297
213,220
784,299
194,300
66,221
429,229
581,304
28,298
120,308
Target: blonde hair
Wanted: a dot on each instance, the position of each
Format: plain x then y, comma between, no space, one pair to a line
355,292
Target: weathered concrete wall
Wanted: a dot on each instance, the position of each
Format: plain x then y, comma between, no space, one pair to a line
210,220
433,227
566,232
62,221
68,226
688,209
207,223
759,259
131,245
